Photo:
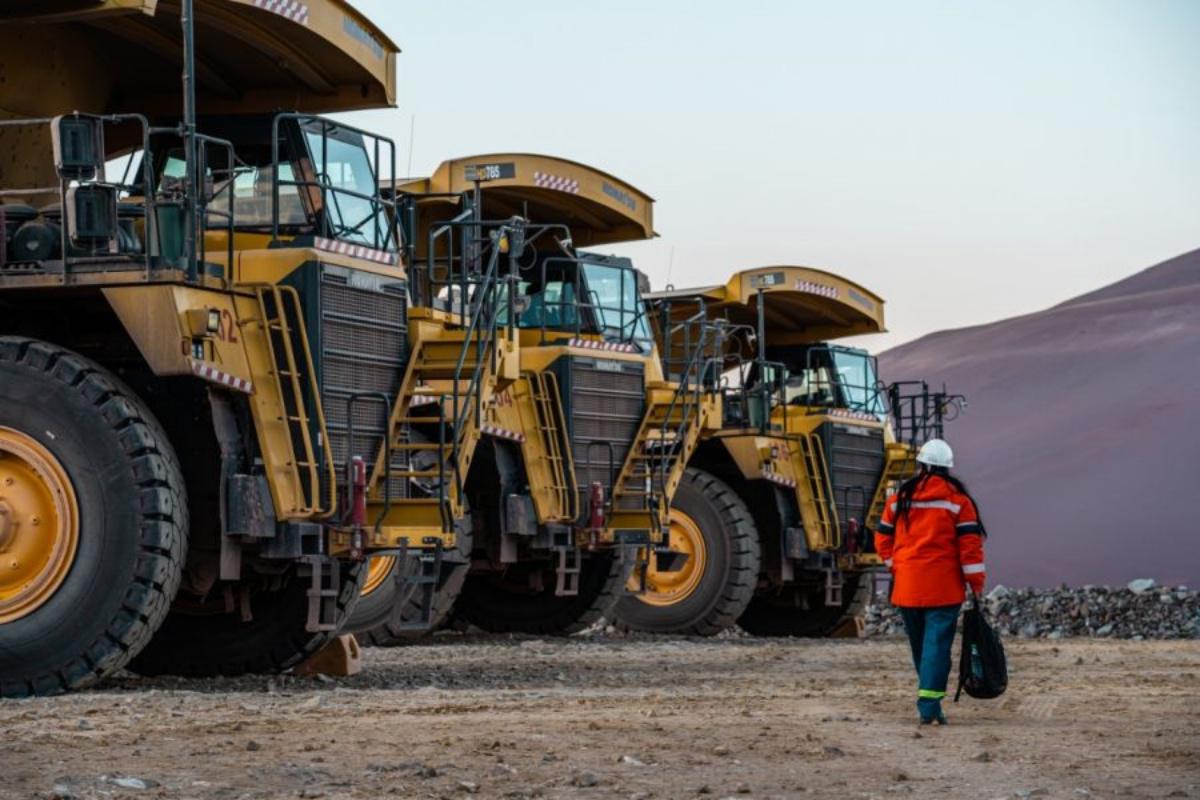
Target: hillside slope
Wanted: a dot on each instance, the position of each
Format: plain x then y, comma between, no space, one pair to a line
1082,437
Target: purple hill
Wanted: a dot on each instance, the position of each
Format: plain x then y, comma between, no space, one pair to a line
1082,436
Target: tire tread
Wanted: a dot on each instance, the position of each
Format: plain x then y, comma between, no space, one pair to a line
162,544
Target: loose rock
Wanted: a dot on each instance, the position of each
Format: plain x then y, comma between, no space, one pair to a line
1139,610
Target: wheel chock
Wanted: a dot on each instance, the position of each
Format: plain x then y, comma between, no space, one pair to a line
340,657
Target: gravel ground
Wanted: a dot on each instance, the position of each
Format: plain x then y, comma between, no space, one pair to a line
612,717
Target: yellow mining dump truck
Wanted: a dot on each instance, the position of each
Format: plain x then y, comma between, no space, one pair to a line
773,515
207,354
582,452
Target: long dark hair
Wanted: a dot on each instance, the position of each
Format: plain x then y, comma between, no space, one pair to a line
904,496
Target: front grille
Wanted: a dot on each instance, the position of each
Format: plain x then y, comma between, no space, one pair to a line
603,402
363,348
855,454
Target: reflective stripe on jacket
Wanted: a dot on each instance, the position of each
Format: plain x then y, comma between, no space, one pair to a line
934,547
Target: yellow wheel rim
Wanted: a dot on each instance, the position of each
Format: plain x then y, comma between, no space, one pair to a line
377,572
668,588
39,525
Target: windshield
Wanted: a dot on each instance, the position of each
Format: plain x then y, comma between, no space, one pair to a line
615,299
856,376
343,167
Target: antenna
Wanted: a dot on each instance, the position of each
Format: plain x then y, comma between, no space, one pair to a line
188,129
412,127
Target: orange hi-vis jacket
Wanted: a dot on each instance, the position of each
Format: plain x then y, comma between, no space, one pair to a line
933,549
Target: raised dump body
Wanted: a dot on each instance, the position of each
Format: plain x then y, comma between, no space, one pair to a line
774,516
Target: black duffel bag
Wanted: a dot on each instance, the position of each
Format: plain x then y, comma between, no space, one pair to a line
982,667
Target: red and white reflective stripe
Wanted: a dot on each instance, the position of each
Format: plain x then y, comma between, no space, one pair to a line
821,289
613,347
211,373
548,181
848,414
944,505
501,433
355,251
292,9
774,477
973,569
421,399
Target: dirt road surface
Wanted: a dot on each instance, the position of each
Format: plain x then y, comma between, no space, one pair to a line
619,718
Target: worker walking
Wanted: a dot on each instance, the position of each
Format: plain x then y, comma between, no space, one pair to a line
931,538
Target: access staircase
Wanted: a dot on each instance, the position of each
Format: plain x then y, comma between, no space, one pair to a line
900,464
454,371
676,413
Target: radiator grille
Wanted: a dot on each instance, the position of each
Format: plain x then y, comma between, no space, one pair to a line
604,401
855,454
363,348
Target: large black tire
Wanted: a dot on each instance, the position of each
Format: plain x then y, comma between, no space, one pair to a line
500,603
371,620
778,613
201,638
733,555
133,523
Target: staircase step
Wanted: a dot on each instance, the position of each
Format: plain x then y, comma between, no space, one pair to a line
443,369
418,473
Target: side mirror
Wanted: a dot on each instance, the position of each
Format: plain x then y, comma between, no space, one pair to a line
78,147
91,216
522,303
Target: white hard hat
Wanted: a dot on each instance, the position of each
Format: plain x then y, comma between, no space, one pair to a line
936,453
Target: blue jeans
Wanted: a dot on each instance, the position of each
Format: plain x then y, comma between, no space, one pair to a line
931,635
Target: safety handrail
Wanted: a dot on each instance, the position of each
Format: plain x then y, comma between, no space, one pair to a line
919,414
148,189
693,383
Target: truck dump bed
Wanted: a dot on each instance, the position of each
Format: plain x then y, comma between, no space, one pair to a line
253,56
802,304
598,208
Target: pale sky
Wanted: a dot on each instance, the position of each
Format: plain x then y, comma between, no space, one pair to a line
967,161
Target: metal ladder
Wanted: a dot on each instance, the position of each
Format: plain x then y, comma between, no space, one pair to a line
294,376
462,362
550,423
817,479
423,583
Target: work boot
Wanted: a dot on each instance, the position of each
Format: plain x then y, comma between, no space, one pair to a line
939,718
930,711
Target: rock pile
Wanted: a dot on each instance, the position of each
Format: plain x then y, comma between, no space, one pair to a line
1140,610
